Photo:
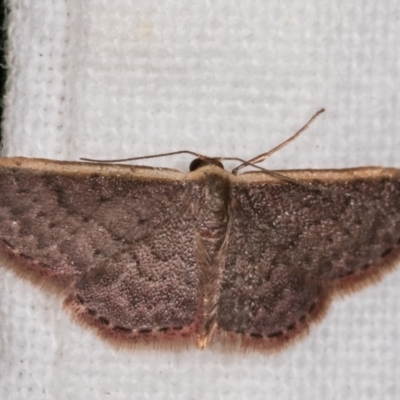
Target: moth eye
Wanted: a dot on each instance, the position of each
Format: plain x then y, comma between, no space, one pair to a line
196,164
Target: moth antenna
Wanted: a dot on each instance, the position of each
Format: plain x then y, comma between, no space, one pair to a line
274,174
263,156
244,163
146,157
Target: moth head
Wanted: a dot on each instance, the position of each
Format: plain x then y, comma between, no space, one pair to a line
202,162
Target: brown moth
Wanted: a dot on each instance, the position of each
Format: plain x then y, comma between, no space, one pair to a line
155,255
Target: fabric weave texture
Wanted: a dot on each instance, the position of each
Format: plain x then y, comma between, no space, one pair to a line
130,78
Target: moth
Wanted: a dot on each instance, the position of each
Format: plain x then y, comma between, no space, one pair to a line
154,255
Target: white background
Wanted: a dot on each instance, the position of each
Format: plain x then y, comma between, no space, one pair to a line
125,78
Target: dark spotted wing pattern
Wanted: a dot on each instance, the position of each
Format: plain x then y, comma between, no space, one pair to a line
110,238
291,244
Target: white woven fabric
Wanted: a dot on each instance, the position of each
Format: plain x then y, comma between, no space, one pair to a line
124,78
